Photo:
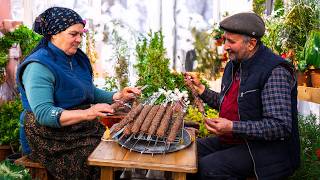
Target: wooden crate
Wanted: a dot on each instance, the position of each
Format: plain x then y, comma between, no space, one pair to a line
309,94
36,170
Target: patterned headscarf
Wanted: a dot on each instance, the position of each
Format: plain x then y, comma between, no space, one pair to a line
55,20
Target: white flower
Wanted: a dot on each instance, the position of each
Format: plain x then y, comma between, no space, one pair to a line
176,90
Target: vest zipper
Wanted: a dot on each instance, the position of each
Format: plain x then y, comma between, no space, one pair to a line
240,71
70,63
241,95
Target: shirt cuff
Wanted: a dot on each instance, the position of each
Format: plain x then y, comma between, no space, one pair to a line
239,127
55,115
205,94
58,117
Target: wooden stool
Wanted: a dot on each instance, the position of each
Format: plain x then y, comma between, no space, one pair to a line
36,170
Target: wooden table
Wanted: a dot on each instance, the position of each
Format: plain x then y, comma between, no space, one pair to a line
110,155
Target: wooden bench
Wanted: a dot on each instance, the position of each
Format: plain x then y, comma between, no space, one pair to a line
36,170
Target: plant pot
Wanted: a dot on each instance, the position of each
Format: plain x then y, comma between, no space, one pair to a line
315,78
5,150
13,157
303,79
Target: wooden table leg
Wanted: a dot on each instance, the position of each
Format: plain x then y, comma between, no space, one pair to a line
178,176
106,173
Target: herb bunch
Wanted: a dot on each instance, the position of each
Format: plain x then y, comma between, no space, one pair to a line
153,66
195,116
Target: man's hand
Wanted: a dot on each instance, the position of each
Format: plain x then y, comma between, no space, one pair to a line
219,126
195,81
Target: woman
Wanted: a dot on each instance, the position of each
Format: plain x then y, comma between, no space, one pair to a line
55,82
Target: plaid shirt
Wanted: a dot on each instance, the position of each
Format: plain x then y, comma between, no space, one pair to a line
276,112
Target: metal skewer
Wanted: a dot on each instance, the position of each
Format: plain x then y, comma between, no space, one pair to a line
127,140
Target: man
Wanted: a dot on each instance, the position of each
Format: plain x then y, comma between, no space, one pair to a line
257,132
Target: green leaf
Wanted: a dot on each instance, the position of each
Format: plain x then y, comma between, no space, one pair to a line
312,49
9,171
9,122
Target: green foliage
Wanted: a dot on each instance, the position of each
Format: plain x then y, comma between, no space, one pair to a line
9,122
110,84
299,21
217,33
278,6
287,33
120,47
10,171
121,71
23,36
310,142
259,6
193,115
312,49
302,65
153,67
273,37
207,57
3,59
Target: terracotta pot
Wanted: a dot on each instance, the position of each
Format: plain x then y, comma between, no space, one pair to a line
315,78
5,150
303,79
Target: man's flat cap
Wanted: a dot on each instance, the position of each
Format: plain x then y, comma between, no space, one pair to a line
244,23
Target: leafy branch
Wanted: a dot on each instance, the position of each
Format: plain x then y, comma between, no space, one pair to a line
153,66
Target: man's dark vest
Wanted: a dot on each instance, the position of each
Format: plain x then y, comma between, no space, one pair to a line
272,159
73,83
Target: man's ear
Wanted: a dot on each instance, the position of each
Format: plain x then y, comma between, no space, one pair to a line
252,44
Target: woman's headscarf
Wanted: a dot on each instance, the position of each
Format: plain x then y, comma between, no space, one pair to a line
55,20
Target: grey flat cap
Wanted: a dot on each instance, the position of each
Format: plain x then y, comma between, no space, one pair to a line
244,23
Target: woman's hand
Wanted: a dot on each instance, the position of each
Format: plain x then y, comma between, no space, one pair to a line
98,110
127,94
219,126
69,117
195,81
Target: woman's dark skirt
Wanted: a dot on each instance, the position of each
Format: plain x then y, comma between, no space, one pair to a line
64,151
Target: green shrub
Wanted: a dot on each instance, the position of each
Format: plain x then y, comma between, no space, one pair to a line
9,122
310,142
153,66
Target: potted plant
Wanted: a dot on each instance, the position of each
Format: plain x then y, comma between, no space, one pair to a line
9,127
312,56
303,76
